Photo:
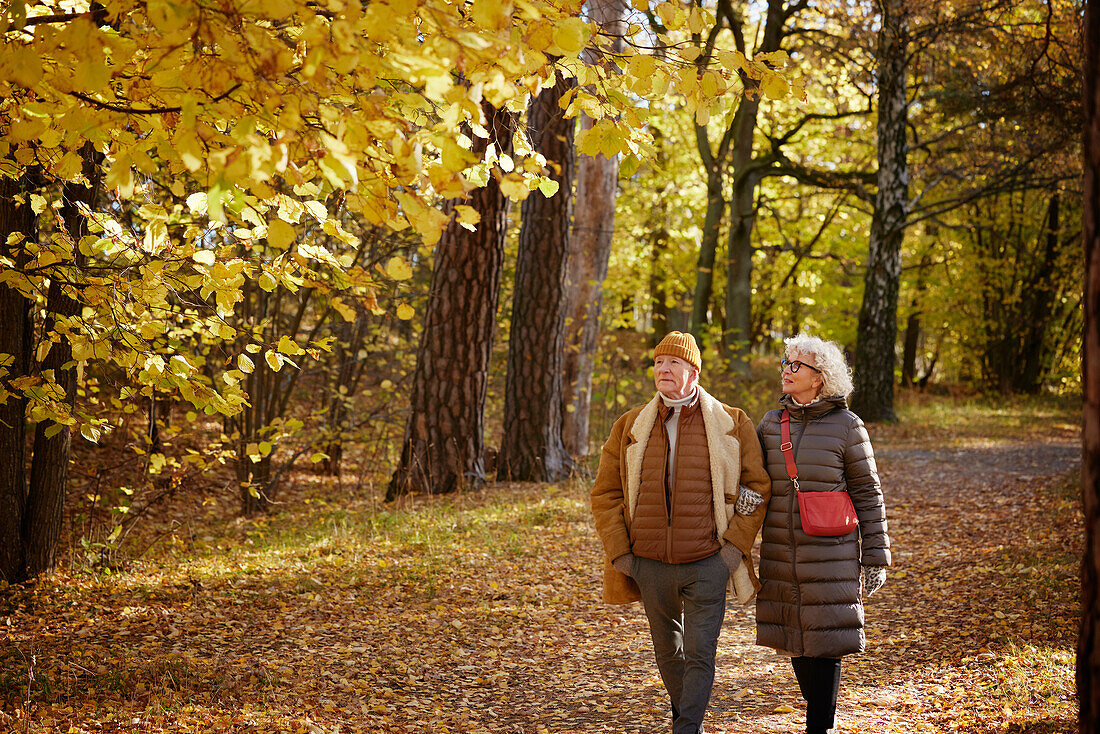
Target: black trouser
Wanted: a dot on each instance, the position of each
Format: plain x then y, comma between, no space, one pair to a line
819,679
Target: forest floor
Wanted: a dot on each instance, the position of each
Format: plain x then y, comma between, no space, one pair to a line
481,612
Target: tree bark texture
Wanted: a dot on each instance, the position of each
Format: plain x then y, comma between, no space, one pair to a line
1088,652
912,340
50,466
658,223
444,443
875,355
597,180
531,448
254,477
15,344
708,248
738,329
737,336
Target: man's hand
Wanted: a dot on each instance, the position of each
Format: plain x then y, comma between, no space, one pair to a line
747,501
731,555
624,564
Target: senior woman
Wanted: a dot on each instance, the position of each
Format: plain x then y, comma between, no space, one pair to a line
810,606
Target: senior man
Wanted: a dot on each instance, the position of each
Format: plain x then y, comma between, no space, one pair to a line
678,500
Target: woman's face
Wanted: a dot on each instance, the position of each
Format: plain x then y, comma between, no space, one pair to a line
805,384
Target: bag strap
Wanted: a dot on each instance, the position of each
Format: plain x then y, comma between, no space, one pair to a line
787,447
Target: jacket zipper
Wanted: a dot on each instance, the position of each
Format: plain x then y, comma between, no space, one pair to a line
668,494
792,501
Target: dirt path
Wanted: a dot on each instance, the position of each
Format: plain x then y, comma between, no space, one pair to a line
973,631
483,616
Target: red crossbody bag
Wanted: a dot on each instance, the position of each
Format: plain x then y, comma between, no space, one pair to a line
823,513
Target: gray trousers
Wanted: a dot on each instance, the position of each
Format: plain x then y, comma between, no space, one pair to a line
685,604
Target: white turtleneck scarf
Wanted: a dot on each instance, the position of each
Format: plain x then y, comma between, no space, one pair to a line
673,426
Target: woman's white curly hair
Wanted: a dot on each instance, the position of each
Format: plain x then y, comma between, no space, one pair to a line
835,372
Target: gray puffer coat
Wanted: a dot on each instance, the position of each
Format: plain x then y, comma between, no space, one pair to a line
810,603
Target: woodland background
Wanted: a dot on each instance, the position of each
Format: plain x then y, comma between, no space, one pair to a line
260,259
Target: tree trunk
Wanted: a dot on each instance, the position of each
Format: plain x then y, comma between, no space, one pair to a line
50,465
708,247
15,344
1088,653
912,339
1038,301
589,251
531,448
444,441
878,316
253,477
738,330
342,389
909,348
657,224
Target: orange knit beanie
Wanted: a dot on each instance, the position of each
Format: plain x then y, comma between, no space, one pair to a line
679,344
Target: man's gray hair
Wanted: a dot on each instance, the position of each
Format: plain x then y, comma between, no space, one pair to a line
828,357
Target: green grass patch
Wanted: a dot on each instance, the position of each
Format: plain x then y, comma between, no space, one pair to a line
1028,675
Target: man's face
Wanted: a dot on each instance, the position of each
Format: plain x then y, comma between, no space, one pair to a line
674,377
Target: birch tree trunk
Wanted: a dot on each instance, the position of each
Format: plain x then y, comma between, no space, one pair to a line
589,250
874,360
1088,653
531,448
444,437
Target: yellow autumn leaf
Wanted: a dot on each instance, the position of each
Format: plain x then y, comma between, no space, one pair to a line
289,346
398,269
280,234
514,186
570,36
245,364
696,22
468,217
548,187
196,202
774,86
273,360
784,709
204,257
405,312
346,311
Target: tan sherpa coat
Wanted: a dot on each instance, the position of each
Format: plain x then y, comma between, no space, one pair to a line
735,461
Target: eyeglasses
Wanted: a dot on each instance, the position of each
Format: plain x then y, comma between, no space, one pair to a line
795,366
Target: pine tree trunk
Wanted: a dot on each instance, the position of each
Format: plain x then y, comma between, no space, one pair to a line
589,250
531,448
50,465
874,360
1088,652
444,442
15,344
